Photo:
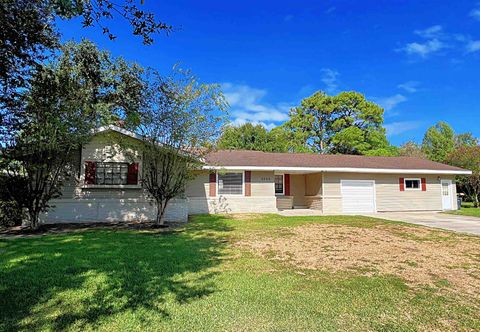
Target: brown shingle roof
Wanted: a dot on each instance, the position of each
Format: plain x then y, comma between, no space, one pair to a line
227,158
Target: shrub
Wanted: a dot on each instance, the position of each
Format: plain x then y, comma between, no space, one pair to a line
10,214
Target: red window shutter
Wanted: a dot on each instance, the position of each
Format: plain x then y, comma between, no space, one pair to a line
401,182
132,175
90,170
424,184
287,184
213,184
248,183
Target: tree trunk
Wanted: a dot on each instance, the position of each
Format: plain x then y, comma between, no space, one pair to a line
475,200
161,208
34,216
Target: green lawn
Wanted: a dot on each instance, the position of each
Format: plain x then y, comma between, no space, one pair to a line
467,210
199,278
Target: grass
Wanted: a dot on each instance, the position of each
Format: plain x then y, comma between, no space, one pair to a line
196,278
467,210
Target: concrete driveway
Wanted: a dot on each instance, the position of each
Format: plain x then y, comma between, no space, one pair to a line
461,224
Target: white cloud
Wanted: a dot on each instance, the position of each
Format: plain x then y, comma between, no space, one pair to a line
330,79
434,40
389,103
397,128
475,13
473,46
424,49
330,10
410,86
239,122
435,31
247,105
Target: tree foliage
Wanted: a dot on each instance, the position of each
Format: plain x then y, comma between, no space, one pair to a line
96,12
256,137
411,149
468,157
29,35
466,139
68,97
182,118
438,142
26,35
346,123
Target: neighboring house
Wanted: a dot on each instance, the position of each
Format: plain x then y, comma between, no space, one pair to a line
108,187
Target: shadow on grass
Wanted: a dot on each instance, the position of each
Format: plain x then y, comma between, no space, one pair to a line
76,280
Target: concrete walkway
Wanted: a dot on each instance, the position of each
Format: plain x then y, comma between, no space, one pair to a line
300,212
461,224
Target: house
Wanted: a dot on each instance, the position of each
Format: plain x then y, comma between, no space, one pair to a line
108,188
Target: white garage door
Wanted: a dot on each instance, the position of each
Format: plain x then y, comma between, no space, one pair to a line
358,196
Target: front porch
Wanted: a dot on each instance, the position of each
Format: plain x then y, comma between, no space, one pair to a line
299,191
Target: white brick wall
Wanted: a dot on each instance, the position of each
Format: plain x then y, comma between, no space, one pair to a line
232,204
105,210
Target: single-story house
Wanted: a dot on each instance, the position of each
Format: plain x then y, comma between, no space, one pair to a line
107,185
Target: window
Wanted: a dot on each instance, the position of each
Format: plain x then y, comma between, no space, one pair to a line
230,184
445,189
412,184
111,173
279,184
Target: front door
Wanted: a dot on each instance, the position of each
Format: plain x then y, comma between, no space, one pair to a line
447,194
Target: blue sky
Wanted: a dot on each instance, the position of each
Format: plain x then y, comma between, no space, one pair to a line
418,59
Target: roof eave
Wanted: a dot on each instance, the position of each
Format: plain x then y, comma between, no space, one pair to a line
118,130
340,170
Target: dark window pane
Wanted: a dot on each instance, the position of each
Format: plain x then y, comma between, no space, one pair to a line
111,173
230,184
278,184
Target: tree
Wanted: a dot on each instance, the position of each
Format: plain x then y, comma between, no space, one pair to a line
468,157
465,139
245,137
438,142
345,123
256,137
96,12
80,89
411,149
182,118
29,35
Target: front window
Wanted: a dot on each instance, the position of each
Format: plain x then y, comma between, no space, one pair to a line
279,184
111,173
412,184
230,184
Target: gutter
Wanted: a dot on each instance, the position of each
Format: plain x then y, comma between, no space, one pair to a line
340,170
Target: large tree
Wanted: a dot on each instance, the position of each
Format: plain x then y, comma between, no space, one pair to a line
67,98
256,137
182,119
29,34
345,123
438,142
468,157
244,137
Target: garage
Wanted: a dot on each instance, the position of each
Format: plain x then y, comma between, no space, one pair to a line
358,196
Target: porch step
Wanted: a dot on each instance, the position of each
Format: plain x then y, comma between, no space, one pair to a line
300,207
